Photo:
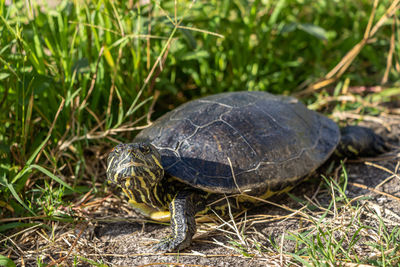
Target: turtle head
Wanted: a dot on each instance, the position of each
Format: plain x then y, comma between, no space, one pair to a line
136,168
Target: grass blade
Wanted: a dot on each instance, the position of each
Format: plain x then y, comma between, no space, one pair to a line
16,196
52,176
6,262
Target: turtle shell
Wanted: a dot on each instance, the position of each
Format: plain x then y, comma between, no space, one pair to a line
241,141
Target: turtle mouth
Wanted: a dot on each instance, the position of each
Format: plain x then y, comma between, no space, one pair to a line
129,165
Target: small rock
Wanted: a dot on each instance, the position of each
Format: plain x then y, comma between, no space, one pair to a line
381,200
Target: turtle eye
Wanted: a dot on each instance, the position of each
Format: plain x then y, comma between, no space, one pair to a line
144,149
116,149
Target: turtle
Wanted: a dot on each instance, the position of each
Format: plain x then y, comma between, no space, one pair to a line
227,150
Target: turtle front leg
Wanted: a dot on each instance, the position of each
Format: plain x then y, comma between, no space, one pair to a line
183,224
360,141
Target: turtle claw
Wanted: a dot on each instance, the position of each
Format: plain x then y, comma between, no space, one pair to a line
380,146
163,245
167,244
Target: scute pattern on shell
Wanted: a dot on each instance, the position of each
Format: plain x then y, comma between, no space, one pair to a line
269,140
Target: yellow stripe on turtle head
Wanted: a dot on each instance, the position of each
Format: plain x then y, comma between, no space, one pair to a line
128,182
153,176
116,178
156,161
142,182
110,164
143,189
129,194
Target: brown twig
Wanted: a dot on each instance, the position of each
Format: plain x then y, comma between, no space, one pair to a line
343,115
390,55
22,218
60,260
151,108
99,135
374,190
346,61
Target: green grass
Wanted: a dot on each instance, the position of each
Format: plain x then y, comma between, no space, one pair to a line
78,76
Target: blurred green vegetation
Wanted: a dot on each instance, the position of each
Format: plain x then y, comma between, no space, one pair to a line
89,60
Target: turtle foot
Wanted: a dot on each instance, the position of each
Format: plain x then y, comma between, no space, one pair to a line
170,244
360,141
